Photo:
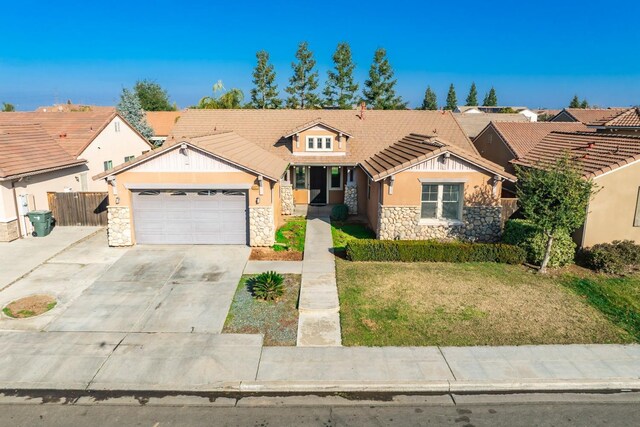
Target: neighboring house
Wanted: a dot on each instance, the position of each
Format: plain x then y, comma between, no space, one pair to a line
162,122
73,108
626,123
226,176
479,109
102,138
586,115
473,124
31,163
613,162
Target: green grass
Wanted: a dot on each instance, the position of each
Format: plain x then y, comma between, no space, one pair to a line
343,232
51,305
618,298
423,304
276,320
7,312
291,235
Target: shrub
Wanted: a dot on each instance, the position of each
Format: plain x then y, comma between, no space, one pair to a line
522,233
430,250
267,286
619,257
339,212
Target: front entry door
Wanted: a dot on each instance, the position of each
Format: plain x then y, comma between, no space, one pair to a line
318,186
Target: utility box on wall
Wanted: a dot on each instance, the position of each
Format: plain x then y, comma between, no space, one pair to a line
23,204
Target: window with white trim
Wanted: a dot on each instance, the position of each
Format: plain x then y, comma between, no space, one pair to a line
108,164
335,178
442,201
319,143
127,158
116,125
300,177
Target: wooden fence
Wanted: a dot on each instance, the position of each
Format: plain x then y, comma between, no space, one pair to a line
79,208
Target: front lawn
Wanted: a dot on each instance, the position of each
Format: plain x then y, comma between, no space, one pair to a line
343,232
291,235
277,320
420,304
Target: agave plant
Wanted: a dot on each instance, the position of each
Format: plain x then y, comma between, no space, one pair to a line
267,286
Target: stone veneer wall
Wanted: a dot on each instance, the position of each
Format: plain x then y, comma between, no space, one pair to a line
118,226
286,199
261,226
479,223
9,231
351,198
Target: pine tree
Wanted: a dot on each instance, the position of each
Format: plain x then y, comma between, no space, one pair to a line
490,99
341,89
130,109
575,102
379,91
452,100
472,98
430,101
584,104
304,81
265,91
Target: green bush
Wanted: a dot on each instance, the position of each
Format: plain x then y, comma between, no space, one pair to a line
339,213
619,257
434,251
522,233
267,286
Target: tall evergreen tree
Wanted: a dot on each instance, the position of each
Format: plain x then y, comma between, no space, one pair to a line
265,90
130,109
472,98
430,102
490,99
575,102
379,91
304,82
341,89
452,100
584,104
152,96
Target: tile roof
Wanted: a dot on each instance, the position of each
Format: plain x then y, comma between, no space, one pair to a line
228,146
588,115
162,121
311,124
626,119
73,108
414,149
522,137
376,131
473,124
594,153
28,150
73,131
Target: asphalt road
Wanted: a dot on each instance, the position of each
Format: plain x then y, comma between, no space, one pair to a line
463,411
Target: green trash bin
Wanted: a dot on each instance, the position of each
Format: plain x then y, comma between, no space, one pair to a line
42,222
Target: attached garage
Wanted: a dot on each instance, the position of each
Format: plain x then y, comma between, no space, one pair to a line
212,216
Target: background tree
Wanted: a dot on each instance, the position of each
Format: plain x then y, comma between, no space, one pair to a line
379,91
490,99
430,101
265,91
452,100
227,99
152,96
472,98
584,104
340,90
575,102
554,198
304,80
130,109
8,107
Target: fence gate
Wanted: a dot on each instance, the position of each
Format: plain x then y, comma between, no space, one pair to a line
79,208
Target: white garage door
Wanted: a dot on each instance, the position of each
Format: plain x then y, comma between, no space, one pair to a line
190,217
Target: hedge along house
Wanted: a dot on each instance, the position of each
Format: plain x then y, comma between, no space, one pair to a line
613,162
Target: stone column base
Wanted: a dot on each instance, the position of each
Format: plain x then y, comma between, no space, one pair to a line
351,198
119,226
286,199
261,226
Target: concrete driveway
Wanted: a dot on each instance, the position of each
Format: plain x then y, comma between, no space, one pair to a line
141,289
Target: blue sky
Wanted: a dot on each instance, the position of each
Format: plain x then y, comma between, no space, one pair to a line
536,53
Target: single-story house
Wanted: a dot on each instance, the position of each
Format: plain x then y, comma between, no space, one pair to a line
31,163
586,115
627,123
613,162
162,122
473,124
227,176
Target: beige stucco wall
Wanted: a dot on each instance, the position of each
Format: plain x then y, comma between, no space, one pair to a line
7,206
318,131
372,204
111,145
612,210
491,146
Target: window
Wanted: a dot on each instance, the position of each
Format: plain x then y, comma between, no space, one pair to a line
441,201
300,183
127,158
108,165
116,125
319,143
335,178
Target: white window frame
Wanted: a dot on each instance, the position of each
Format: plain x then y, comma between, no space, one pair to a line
107,164
127,158
315,142
340,172
116,126
439,203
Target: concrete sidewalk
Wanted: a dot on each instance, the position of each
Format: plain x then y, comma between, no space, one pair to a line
19,257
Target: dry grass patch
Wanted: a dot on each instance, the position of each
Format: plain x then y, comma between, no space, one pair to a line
30,306
463,304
